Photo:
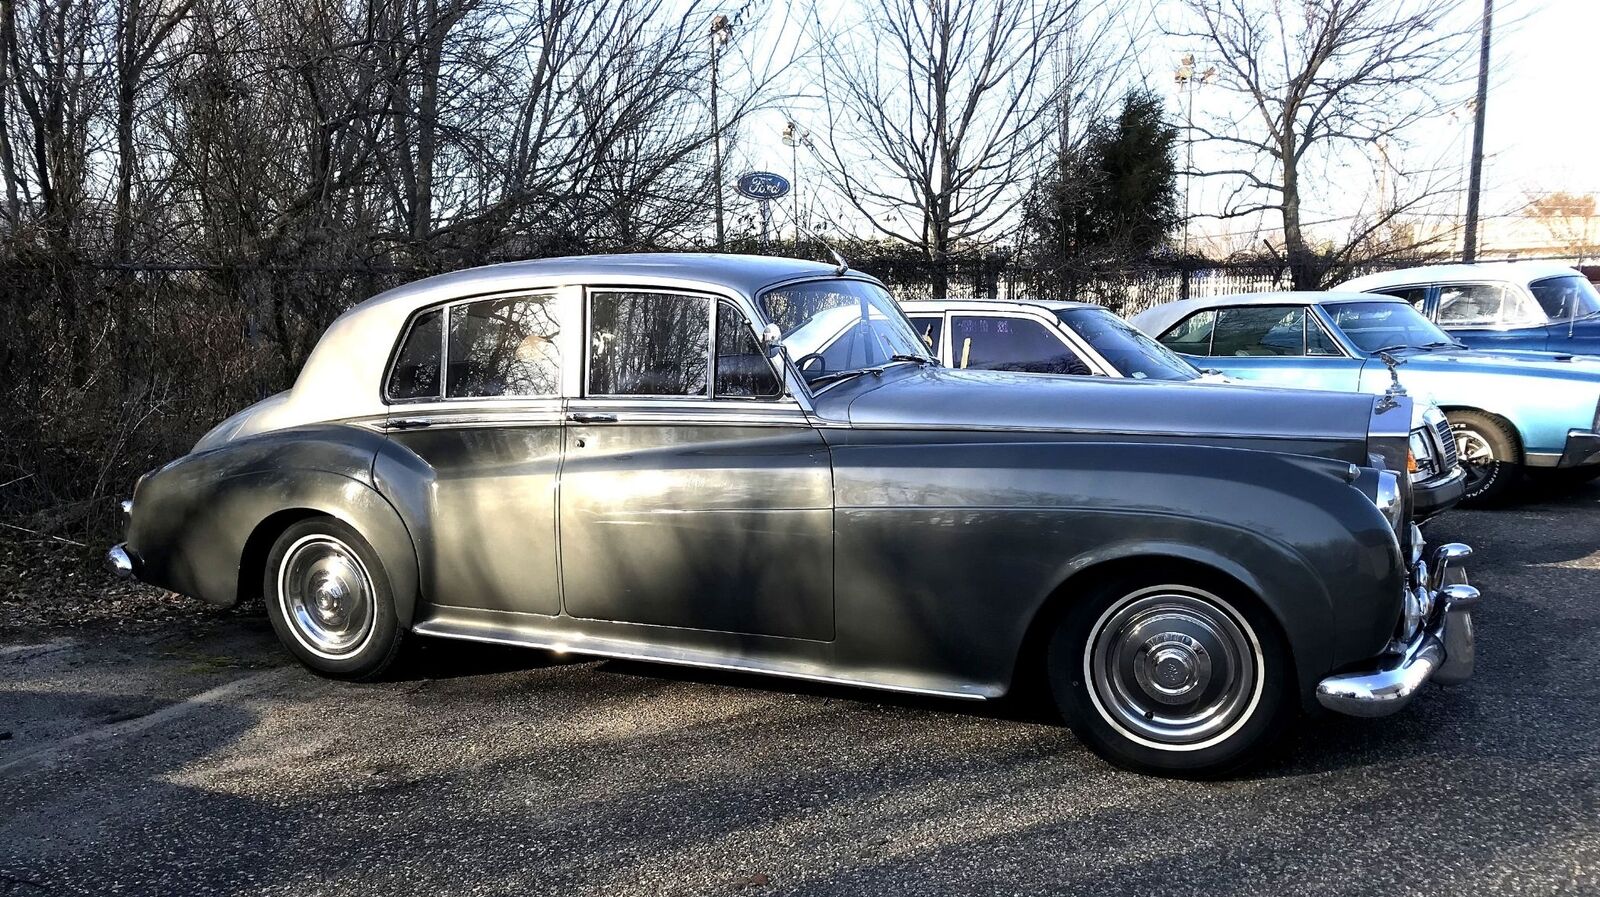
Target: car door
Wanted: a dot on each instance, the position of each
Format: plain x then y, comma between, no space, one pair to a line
479,439
693,492
999,341
1285,345
1492,316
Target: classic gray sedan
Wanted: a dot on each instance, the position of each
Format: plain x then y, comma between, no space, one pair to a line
752,464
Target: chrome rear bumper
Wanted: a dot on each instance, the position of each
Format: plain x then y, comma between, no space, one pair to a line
1441,651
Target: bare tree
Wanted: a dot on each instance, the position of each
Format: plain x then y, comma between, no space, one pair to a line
1315,78
938,113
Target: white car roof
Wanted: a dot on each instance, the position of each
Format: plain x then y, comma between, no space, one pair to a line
1517,272
1053,305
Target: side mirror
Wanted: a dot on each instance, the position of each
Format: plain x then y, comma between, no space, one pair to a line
772,340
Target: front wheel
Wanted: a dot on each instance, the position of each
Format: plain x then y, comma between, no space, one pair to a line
1489,456
1172,679
329,600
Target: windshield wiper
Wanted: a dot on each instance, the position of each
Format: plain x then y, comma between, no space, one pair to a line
1441,345
1382,349
876,370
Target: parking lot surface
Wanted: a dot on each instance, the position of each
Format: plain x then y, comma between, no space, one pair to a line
192,758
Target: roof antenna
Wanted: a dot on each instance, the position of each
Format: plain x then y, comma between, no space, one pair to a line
838,260
841,265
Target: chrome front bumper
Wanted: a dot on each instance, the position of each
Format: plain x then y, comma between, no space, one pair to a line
1441,651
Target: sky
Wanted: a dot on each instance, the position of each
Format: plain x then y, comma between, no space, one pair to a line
1542,132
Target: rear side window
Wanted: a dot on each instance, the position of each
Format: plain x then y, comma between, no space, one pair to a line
503,347
1192,335
929,329
743,371
416,367
1010,344
649,344
1485,304
1253,330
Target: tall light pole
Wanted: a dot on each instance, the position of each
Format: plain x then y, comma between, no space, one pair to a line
1469,242
1187,80
793,137
721,30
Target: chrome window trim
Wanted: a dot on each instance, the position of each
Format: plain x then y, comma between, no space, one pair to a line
554,295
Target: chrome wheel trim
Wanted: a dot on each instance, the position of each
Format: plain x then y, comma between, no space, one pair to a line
1475,454
327,597
1173,668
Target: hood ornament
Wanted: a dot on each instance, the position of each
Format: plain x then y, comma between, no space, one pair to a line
1391,396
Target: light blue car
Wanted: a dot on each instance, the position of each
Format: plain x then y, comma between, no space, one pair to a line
1509,410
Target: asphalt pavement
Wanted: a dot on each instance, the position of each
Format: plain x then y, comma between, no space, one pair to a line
192,758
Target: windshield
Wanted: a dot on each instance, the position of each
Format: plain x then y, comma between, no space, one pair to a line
830,326
1386,325
1567,296
1125,346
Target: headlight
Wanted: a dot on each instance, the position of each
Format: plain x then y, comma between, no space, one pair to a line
1421,453
1389,499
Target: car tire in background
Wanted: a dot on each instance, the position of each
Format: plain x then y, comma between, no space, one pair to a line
1490,454
330,601
1172,676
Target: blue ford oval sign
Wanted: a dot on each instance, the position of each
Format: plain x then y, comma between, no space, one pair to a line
763,185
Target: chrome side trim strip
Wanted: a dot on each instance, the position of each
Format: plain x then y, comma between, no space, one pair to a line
599,646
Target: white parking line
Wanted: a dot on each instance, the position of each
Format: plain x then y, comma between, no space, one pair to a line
24,652
47,752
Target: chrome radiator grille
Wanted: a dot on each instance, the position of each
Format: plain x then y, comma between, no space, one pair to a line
1447,444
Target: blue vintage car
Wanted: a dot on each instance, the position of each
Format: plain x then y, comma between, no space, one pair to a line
1509,410
1537,306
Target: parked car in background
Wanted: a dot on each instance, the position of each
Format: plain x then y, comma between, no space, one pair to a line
1061,337
1509,411
1535,306
681,458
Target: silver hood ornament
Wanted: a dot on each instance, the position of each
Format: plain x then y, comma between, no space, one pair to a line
1391,395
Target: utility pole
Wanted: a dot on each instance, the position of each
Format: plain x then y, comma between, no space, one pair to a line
1469,245
1187,80
793,136
720,32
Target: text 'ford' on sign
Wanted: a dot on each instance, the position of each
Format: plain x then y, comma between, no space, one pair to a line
763,185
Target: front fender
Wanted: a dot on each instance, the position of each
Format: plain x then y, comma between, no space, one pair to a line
199,520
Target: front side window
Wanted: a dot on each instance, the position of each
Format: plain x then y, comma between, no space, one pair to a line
1566,296
743,371
415,375
1485,305
1192,335
1417,296
833,326
1259,330
996,343
503,347
648,344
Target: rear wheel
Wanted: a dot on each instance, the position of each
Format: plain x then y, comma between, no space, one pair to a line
1172,678
329,600
1489,454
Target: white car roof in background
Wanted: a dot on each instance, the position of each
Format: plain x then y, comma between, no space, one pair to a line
1516,272
926,305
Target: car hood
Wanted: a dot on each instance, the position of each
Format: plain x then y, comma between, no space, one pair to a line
1505,361
947,397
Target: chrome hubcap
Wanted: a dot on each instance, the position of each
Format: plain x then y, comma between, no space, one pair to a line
1477,458
327,596
1173,667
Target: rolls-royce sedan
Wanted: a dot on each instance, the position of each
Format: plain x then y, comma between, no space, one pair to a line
1056,336
699,459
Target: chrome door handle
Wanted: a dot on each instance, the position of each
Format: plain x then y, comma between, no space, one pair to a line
585,417
408,423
